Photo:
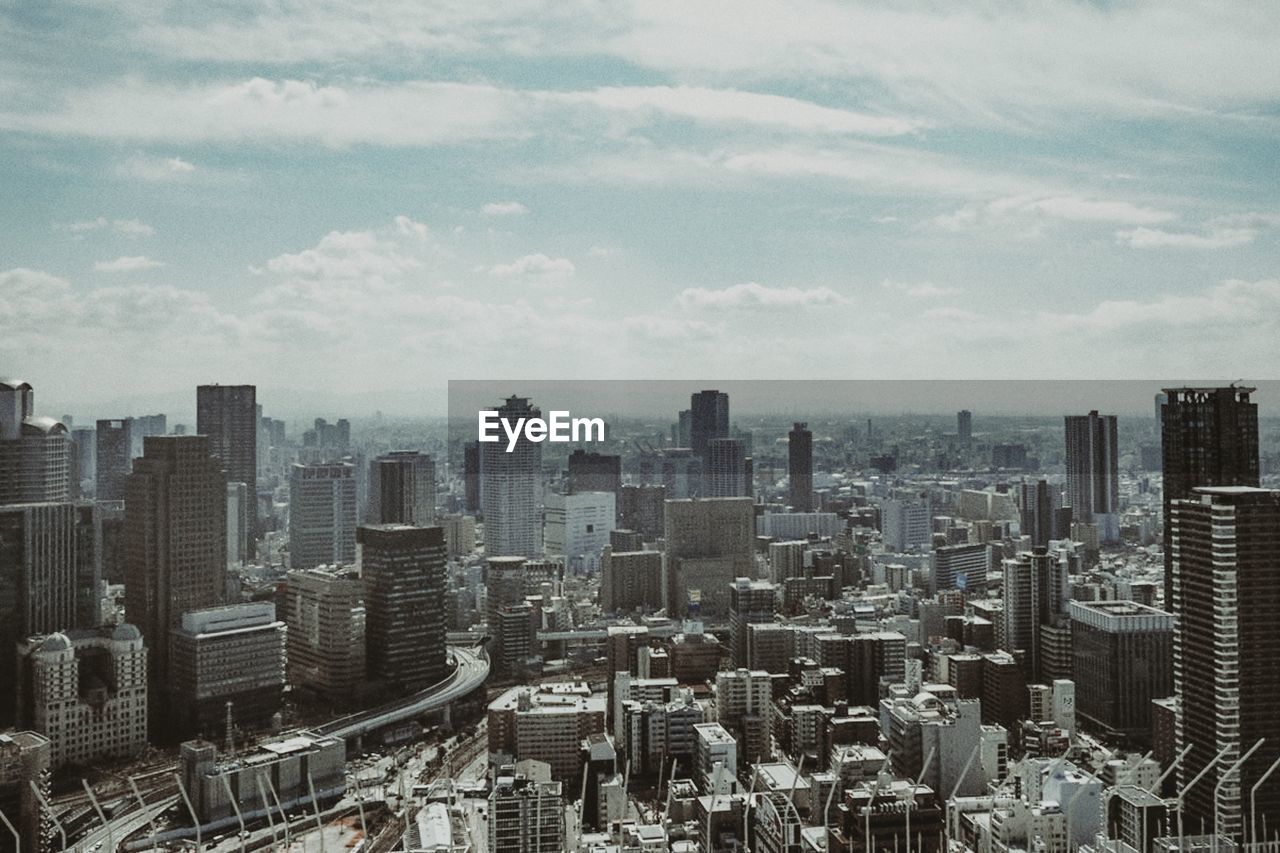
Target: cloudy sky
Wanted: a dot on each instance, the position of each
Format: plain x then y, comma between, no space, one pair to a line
366,194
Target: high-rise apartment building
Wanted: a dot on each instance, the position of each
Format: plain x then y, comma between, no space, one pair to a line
322,515
1209,437
709,543
228,416
325,615
800,467
510,489
708,419
641,508
175,538
526,816
630,580
1093,472
750,602
402,489
964,426
35,451
1035,599
1225,554
405,576
906,522
1039,505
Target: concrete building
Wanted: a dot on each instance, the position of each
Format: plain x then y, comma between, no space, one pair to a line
511,489
750,602
708,544
526,816
405,576
1093,478
402,489
576,528
86,691
593,472
744,706
642,508
1035,596
547,723
716,758
322,515
325,617
934,721
35,451
227,415
459,534
962,567
1123,659
175,539
907,522
24,761
800,468
630,580
231,654
708,419
113,458
726,469
274,776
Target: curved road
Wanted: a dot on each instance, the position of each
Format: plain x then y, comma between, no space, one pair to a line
471,668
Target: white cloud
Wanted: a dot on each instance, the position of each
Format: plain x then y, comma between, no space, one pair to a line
537,267
125,227
504,208
1222,232
754,295
144,167
919,290
1027,212
133,263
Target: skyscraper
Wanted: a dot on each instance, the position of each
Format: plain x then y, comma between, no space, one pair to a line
708,545
1209,438
1093,472
404,572
175,538
1035,599
510,489
750,602
1038,506
35,451
402,489
228,416
800,467
1225,558
471,476
708,419
322,515
964,426
114,442
1123,653
726,470
324,611
593,472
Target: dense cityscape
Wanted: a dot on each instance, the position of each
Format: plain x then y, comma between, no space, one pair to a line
708,630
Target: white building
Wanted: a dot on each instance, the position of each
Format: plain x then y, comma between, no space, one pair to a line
577,527
907,523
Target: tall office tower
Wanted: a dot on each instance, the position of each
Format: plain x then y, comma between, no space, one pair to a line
48,576
1093,472
402,489
964,426
219,655
525,816
577,527
504,591
800,467
86,691
324,611
322,515
471,476
726,471
1123,654
744,706
1035,600
84,455
1038,505
405,576
35,451
1225,559
708,544
682,429
708,419
750,602
115,457
510,486
228,416
593,472
175,521
1161,399
1210,438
